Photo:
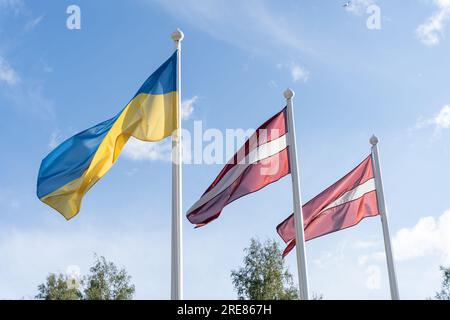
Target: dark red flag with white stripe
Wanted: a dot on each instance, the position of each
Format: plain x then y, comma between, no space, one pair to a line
341,206
262,160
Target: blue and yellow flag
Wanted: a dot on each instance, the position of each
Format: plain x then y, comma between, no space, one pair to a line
71,169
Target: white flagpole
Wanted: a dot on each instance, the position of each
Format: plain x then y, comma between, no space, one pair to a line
177,231
384,219
298,214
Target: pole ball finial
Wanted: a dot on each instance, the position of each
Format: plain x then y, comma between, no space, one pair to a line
177,35
373,140
289,94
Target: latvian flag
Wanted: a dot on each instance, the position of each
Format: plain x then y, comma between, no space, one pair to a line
262,160
341,206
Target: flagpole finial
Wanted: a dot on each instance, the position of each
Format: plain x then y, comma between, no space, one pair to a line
177,35
373,140
289,94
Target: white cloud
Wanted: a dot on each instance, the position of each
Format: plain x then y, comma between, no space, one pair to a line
15,5
332,258
373,281
141,245
440,121
55,140
431,32
370,261
29,95
358,7
154,151
187,107
9,201
10,3
159,151
362,260
15,204
142,150
365,244
7,73
132,172
48,69
378,256
250,24
138,150
33,23
273,84
430,236
29,256
427,239
298,73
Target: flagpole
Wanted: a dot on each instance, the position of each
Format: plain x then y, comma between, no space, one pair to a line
177,231
298,214
384,219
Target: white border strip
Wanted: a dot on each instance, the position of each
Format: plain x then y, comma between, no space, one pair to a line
260,153
353,194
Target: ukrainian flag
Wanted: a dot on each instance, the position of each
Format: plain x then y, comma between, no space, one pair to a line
71,169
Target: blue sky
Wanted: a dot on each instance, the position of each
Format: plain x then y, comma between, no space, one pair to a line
238,57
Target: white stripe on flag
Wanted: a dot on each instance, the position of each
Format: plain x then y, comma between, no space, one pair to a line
262,152
353,194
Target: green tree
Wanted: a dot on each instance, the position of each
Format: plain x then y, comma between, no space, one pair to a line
57,287
104,282
107,282
263,275
444,294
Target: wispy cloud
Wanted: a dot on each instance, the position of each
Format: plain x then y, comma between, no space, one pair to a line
365,244
358,7
29,97
296,71
159,151
9,201
22,91
373,281
440,121
138,150
370,262
142,150
431,32
55,251
153,151
15,5
187,107
252,24
7,73
332,258
10,3
55,139
273,84
374,257
30,25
